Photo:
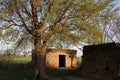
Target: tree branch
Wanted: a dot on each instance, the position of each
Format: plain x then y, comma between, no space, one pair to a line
34,14
21,18
47,11
27,12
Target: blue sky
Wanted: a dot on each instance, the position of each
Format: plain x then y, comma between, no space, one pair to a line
118,2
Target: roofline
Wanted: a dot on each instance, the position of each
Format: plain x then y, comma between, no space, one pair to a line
74,51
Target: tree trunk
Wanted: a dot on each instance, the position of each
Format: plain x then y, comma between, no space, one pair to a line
40,50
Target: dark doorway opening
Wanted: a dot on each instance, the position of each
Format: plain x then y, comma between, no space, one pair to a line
61,60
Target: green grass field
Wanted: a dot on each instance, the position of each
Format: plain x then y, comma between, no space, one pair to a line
15,70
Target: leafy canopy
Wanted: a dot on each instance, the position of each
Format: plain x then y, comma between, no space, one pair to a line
59,22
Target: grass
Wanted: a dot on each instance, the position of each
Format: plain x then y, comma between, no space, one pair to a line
16,74
15,70
19,60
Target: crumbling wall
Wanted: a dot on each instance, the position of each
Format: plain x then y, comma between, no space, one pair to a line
101,62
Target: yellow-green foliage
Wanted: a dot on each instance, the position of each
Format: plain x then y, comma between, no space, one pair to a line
60,22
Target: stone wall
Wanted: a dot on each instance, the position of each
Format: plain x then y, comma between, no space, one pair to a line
101,62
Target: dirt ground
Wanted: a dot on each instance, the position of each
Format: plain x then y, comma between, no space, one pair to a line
67,78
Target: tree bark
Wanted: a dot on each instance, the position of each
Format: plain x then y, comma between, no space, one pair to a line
40,49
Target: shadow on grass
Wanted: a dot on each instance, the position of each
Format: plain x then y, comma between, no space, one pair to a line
15,72
19,72
59,72
16,69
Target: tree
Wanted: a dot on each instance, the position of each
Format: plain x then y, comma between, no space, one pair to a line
116,30
56,22
113,31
